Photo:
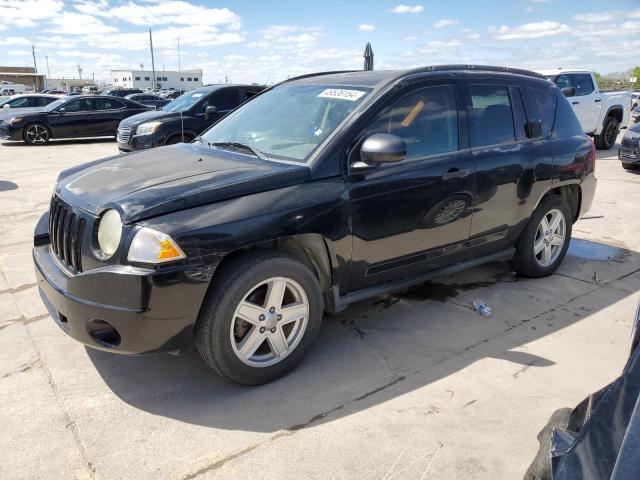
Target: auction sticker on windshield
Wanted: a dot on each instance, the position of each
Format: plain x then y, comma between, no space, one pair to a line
342,94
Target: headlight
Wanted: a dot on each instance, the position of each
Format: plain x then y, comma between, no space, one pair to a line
151,246
15,120
109,232
147,128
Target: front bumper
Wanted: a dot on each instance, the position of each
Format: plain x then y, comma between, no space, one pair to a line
123,309
9,132
138,142
629,156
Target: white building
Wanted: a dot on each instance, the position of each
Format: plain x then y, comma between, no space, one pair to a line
165,79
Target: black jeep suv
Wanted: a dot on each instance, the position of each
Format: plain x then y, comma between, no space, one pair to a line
320,191
184,118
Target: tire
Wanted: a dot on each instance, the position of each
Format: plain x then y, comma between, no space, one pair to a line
177,139
242,287
530,260
36,134
607,138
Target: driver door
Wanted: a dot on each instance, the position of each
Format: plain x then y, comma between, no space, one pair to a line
74,120
413,216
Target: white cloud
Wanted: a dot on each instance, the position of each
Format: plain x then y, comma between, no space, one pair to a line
26,13
163,13
15,41
19,53
407,9
528,30
594,17
365,27
288,37
70,23
445,22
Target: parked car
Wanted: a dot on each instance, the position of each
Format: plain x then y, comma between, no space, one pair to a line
148,99
598,439
9,88
601,114
635,115
629,153
324,190
33,100
120,92
69,117
184,118
172,95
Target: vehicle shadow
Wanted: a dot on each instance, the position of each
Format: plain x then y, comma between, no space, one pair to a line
382,348
66,141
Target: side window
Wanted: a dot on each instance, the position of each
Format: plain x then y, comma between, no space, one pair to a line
582,83
226,99
108,104
79,105
426,119
20,102
42,101
491,116
545,102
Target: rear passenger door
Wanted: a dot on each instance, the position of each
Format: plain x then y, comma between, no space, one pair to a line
512,170
412,216
107,115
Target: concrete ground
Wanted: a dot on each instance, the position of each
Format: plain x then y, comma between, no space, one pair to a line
413,386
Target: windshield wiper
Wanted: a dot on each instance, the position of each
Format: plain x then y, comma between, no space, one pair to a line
240,146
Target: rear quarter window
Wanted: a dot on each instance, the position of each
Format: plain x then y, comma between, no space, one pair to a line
566,124
545,101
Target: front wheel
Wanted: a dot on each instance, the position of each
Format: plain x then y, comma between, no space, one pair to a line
544,242
607,137
36,134
260,319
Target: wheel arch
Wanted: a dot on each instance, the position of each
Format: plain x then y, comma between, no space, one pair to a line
571,192
188,134
615,111
311,249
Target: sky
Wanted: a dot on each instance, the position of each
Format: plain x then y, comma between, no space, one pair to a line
265,42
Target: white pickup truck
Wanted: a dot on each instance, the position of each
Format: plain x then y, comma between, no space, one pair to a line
600,114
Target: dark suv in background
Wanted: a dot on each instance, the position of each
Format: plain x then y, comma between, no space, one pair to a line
324,190
184,118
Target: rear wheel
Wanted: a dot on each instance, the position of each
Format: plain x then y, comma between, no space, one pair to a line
260,319
36,134
177,139
544,242
607,137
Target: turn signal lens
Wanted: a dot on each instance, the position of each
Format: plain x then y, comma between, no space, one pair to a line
152,246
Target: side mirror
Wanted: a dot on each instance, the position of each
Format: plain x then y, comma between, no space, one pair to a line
6,106
569,91
61,110
383,148
533,128
211,110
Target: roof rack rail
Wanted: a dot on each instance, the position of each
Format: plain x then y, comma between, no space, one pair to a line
489,68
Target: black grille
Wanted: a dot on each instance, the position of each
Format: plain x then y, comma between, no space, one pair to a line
65,232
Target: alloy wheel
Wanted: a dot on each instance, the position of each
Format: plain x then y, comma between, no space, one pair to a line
269,322
611,134
37,134
550,238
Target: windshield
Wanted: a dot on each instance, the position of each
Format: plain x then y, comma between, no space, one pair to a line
290,121
185,101
53,105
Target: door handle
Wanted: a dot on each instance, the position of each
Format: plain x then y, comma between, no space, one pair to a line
575,103
599,100
455,173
